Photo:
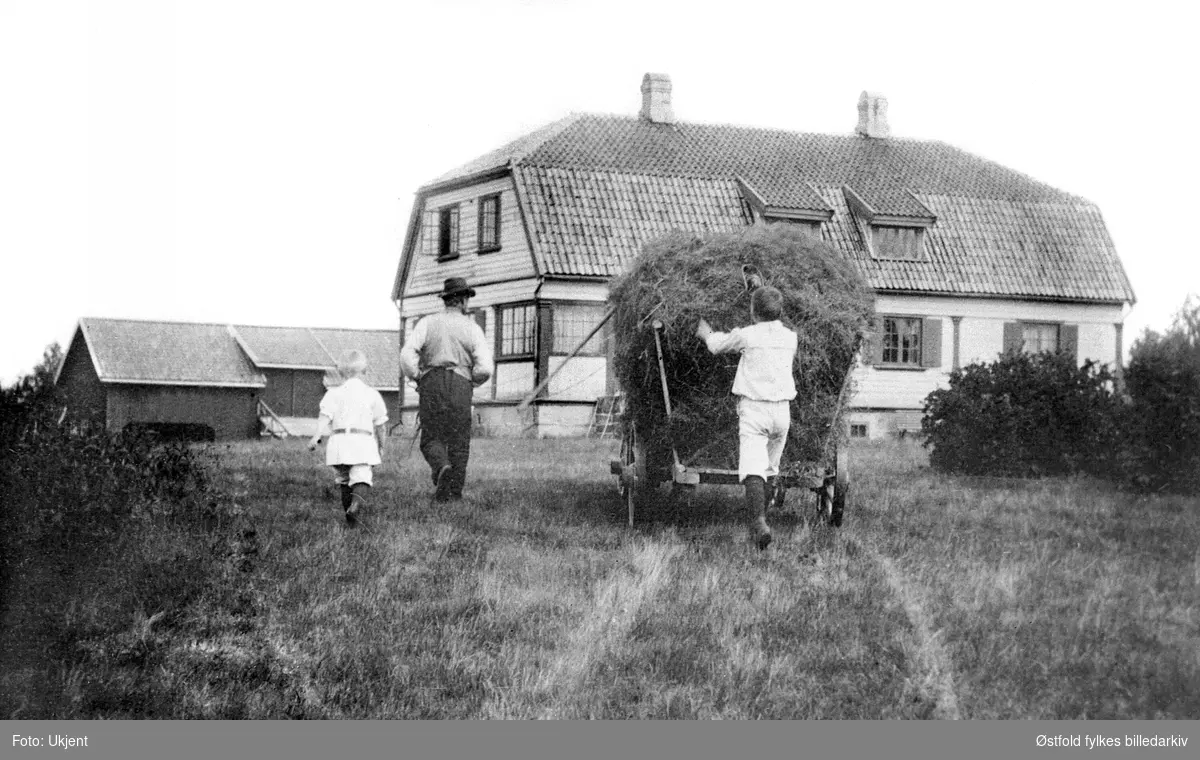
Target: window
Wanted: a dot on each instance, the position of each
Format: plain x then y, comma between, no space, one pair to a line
902,341
448,233
515,333
572,323
898,243
489,223
1039,337
858,431
812,229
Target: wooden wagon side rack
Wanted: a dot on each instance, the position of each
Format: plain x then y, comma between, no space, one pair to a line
637,476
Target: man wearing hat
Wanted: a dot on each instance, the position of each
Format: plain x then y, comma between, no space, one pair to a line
448,355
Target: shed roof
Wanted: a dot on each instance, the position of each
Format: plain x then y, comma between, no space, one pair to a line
291,347
167,353
381,347
206,354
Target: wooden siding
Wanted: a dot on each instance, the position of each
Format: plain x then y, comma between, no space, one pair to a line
563,420
294,392
512,291
566,290
80,385
513,260
514,380
583,378
981,339
230,412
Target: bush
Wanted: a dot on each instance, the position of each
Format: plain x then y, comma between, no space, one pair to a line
97,530
1024,415
62,481
1163,424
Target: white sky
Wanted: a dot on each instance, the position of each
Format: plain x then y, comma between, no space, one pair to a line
255,161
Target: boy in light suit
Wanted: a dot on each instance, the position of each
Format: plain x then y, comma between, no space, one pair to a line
354,417
765,387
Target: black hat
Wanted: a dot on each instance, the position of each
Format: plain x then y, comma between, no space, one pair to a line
456,286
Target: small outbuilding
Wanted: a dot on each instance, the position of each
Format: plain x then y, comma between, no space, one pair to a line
213,381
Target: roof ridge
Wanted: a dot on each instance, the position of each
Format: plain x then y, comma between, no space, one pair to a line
311,327
97,364
324,348
504,155
147,320
639,172
243,344
759,128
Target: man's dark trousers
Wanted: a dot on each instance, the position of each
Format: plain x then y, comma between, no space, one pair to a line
445,410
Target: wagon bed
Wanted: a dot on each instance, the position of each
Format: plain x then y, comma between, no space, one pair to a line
641,471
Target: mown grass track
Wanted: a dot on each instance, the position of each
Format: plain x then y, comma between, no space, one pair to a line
939,598
532,599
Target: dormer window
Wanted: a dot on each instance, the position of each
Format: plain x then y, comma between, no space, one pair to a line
892,223
896,243
795,203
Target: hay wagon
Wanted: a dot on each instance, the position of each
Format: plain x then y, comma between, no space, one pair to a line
643,467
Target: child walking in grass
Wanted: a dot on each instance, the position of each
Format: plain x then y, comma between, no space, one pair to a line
765,387
354,417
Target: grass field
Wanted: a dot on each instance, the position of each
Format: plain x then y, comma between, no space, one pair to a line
939,598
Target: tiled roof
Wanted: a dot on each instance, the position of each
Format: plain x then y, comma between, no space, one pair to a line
382,349
598,187
592,222
187,353
994,247
283,347
167,352
513,151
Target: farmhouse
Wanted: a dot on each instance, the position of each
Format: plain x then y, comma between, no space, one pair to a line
967,258
213,380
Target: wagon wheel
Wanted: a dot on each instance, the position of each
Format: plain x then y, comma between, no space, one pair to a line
633,470
841,487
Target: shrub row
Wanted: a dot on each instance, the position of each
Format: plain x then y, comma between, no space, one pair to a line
1030,415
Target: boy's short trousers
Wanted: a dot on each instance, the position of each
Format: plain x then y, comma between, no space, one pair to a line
762,433
349,474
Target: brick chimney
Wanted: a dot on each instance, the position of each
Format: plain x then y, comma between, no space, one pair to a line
656,99
872,115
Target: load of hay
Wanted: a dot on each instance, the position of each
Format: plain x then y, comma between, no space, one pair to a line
680,278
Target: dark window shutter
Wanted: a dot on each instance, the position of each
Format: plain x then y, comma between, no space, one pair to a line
931,343
1012,337
1068,340
498,333
544,338
873,348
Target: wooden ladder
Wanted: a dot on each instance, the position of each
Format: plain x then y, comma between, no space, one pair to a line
606,417
271,424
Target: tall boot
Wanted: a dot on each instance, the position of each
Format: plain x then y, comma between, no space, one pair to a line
756,509
345,495
358,500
